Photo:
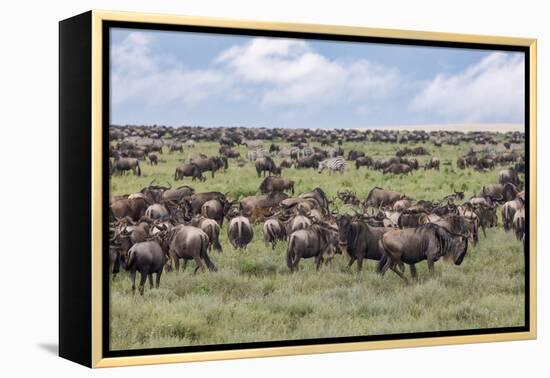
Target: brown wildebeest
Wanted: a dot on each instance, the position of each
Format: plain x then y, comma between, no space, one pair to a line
412,245
147,258
359,240
379,197
153,159
508,211
124,164
316,241
214,209
274,230
519,224
276,184
189,243
189,170
398,169
129,207
210,228
240,232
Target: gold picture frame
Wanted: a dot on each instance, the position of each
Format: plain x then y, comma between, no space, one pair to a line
96,19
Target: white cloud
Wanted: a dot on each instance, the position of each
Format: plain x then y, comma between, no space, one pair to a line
139,75
294,74
489,91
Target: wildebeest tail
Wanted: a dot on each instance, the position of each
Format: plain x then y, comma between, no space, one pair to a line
204,254
138,169
131,258
290,254
384,259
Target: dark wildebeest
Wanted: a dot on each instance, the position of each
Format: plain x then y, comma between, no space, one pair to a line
317,241
311,161
363,161
398,169
412,245
461,225
211,164
276,184
508,212
147,258
274,230
499,192
189,243
240,232
176,147
296,223
178,193
189,170
153,159
518,224
359,240
266,164
124,164
379,197
129,207
509,176
286,164
157,211
214,209
210,228
193,204
354,154
433,163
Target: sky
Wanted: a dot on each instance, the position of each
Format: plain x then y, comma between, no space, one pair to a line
183,78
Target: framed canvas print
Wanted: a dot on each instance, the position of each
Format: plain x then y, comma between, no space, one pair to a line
234,189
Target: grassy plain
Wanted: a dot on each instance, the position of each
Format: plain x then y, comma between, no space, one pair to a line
253,297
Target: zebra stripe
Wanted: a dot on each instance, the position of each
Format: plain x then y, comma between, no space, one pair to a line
333,164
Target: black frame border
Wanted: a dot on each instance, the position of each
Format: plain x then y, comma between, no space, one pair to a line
106,44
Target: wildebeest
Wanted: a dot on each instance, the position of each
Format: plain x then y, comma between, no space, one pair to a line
153,159
210,228
398,169
189,170
379,197
307,162
433,163
518,224
509,176
276,184
315,241
177,194
211,164
359,240
354,154
499,192
193,204
189,243
123,164
266,164
296,223
129,207
240,232
274,230
508,211
412,245
157,211
147,258
215,209
248,204
363,161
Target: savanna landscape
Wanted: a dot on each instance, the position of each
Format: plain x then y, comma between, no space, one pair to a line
466,186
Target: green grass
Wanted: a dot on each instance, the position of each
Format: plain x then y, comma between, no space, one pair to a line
253,297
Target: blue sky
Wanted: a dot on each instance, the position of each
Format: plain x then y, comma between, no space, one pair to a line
180,78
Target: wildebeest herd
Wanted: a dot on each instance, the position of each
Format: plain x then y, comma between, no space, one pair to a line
159,224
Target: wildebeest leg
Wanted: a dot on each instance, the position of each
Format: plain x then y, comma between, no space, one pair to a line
359,264
318,261
414,275
184,265
394,268
150,276
431,266
295,263
133,279
142,282
177,263
159,273
200,264
351,261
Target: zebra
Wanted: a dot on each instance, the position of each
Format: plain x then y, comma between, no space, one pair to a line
333,164
258,153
